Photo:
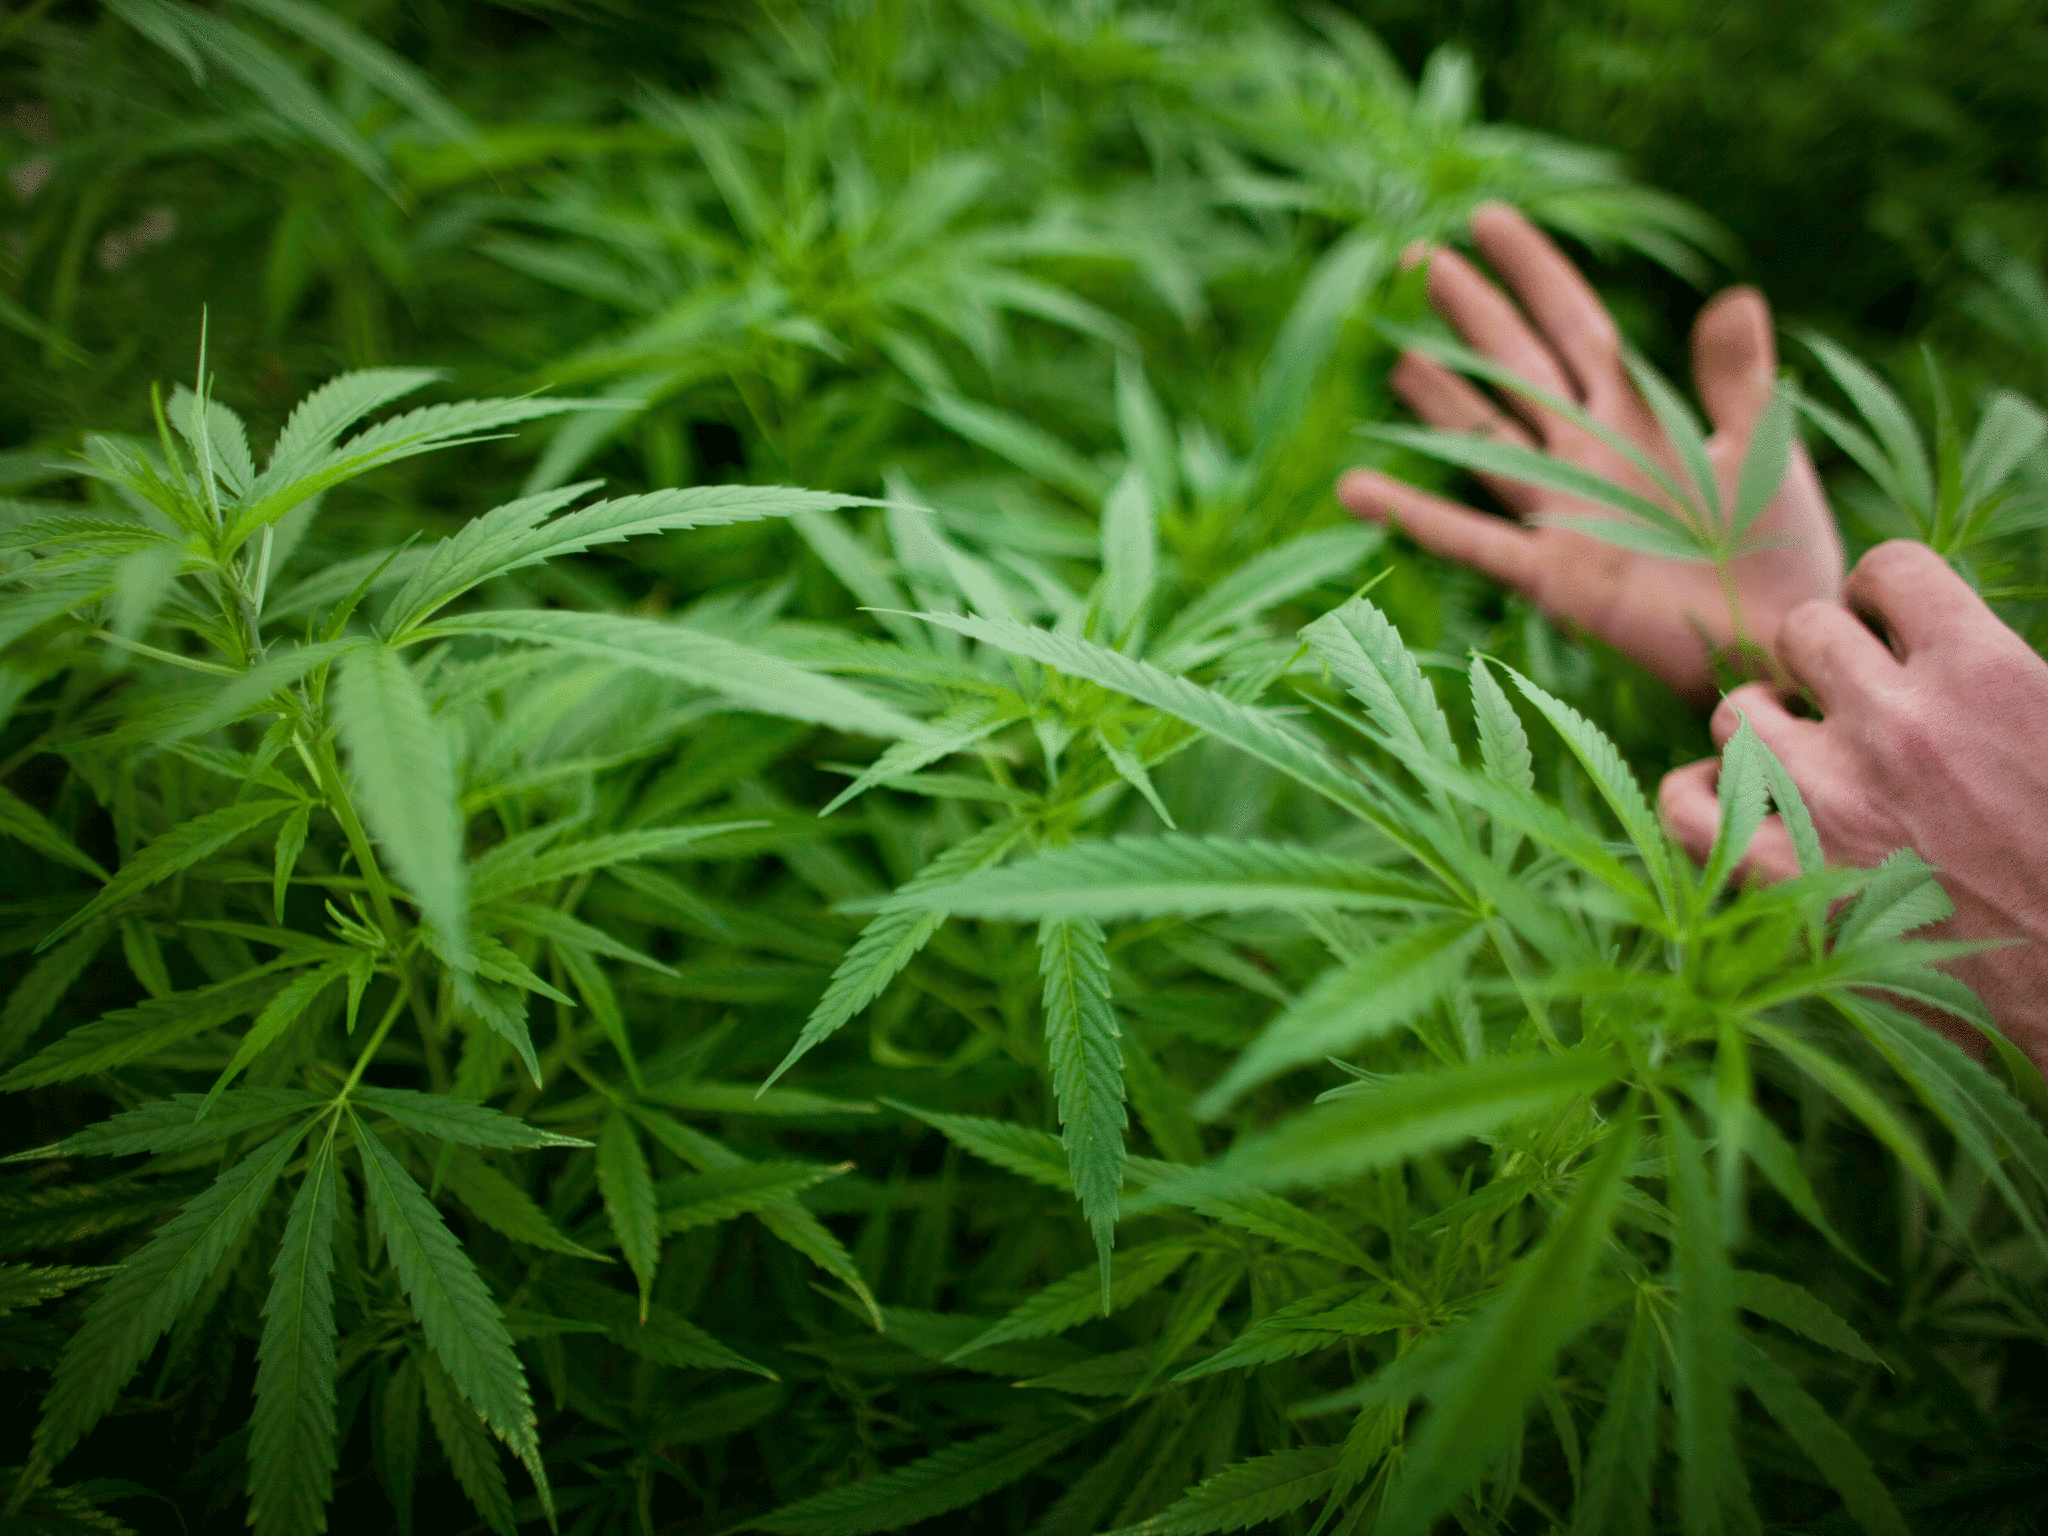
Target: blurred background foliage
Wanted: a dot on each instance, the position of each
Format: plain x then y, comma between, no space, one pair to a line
900,246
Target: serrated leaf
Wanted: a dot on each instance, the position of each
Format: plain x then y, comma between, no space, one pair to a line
892,940
719,1194
153,1025
173,1124
455,1310
753,679
244,694
1170,874
278,1015
1377,993
1269,578
1321,1320
1909,479
1036,1155
1366,653
952,1479
1614,1496
1903,895
1765,463
627,1185
466,1442
22,822
172,853
291,841
1071,1301
406,771
509,869
1247,1493
1742,794
1797,1308
1825,1442
292,1447
664,1337
504,1207
1703,1333
461,1121
1086,1062
25,1285
36,995
143,1299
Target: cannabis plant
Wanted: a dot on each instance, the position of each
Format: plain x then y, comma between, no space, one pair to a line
319,809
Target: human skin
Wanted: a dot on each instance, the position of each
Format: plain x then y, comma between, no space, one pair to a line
1933,733
1561,338
1933,736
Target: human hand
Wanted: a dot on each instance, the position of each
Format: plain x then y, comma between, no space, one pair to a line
1651,608
1938,743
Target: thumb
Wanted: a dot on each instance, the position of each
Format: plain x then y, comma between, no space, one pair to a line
1735,359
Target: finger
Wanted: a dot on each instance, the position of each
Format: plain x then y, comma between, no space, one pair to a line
1735,360
1557,296
1913,593
1689,802
1447,399
1831,654
1489,321
1792,740
1490,545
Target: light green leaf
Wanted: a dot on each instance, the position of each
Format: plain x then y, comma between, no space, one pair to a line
1086,1062
511,867
291,841
1322,1320
892,940
2011,428
751,678
1703,1334
1375,994
405,772
1764,465
278,1015
1269,578
1069,1302
260,683
1366,653
1147,434
384,70
1911,481
1682,427
1130,555
1742,793
291,1433
627,1185
1036,1155
1031,448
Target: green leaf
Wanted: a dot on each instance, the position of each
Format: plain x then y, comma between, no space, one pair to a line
504,1207
173,1124
952,1479
36,995
144,1297
151,1026
1069,1302
2011,428
1366,653
1859,1099
1614,1498
664,1337
1171,874
1031,448
1510,1352
1247,1493
292,1433
22,822
626,1183
1349,1005
461,1121
1147,434
514,537
1399,1118
321,417
172,853
278,1015
955,731
1033,1154
1268,578
751,678
1742,793
448,1297
1330,294
1703,1334
1322,1320
511,867
1682,427
1904,894
1825,1442
384,70
24,1285
719,1194
1910,481
1086,1062
1799,1309
1130,554
256,687
1603,763
892,940
1765,463
405,772
466,1442
291,841
1776,1159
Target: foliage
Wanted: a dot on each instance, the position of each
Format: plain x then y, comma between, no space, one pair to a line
1014,987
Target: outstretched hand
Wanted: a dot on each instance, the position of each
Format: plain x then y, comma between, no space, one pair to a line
1659,611
1931,739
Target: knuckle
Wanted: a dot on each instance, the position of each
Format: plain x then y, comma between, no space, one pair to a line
1894,558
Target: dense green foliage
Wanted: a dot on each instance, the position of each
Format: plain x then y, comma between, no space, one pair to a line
1046,983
